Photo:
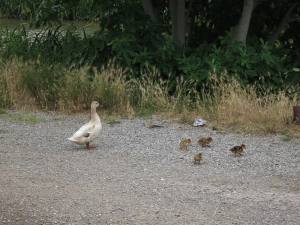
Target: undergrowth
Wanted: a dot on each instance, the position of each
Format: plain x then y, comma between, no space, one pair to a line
74,48
227,103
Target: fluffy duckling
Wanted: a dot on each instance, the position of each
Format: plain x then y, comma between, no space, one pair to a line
198,158
90,130
205,142
184,143
238,150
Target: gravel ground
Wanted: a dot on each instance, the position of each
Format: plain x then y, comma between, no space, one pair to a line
137,175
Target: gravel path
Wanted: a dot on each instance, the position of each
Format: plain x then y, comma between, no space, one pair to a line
137,175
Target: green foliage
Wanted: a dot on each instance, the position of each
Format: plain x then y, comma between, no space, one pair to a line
135,42
2,111
19,9
52,46
13,42
63,76
41,12
257,62
43,82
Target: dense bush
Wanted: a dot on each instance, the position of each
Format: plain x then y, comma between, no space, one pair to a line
255,62
43,82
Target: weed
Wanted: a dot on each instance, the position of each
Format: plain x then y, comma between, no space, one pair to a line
227,104
286,137
243,108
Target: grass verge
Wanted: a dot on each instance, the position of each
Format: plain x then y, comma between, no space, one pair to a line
26,118
229,105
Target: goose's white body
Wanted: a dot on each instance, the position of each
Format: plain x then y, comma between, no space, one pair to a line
88,131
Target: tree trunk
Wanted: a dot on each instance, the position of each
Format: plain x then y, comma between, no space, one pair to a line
241,30
189,19
282,25
149,9
178,18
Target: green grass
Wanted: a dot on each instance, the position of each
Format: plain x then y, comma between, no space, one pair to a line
2,111
22,117
286,137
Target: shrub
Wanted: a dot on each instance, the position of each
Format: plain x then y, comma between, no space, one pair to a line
43,83
254,63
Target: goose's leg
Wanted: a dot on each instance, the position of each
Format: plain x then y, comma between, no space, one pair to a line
88,146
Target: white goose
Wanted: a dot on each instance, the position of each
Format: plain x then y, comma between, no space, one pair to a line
90,130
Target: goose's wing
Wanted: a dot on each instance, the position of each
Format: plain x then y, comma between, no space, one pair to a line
84,131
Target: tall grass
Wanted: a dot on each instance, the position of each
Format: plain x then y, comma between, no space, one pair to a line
242,108
12,90
228,105
108,86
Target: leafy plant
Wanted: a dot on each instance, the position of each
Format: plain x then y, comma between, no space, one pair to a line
43,82
258,62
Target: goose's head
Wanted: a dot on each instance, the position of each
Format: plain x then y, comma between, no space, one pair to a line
94,104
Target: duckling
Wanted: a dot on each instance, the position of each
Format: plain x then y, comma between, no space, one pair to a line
205,142
184,143
238,150
198,158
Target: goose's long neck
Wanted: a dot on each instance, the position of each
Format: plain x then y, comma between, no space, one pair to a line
94,115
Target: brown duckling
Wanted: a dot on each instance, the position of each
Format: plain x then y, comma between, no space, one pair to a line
238,150
205,142
198,158
184,143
